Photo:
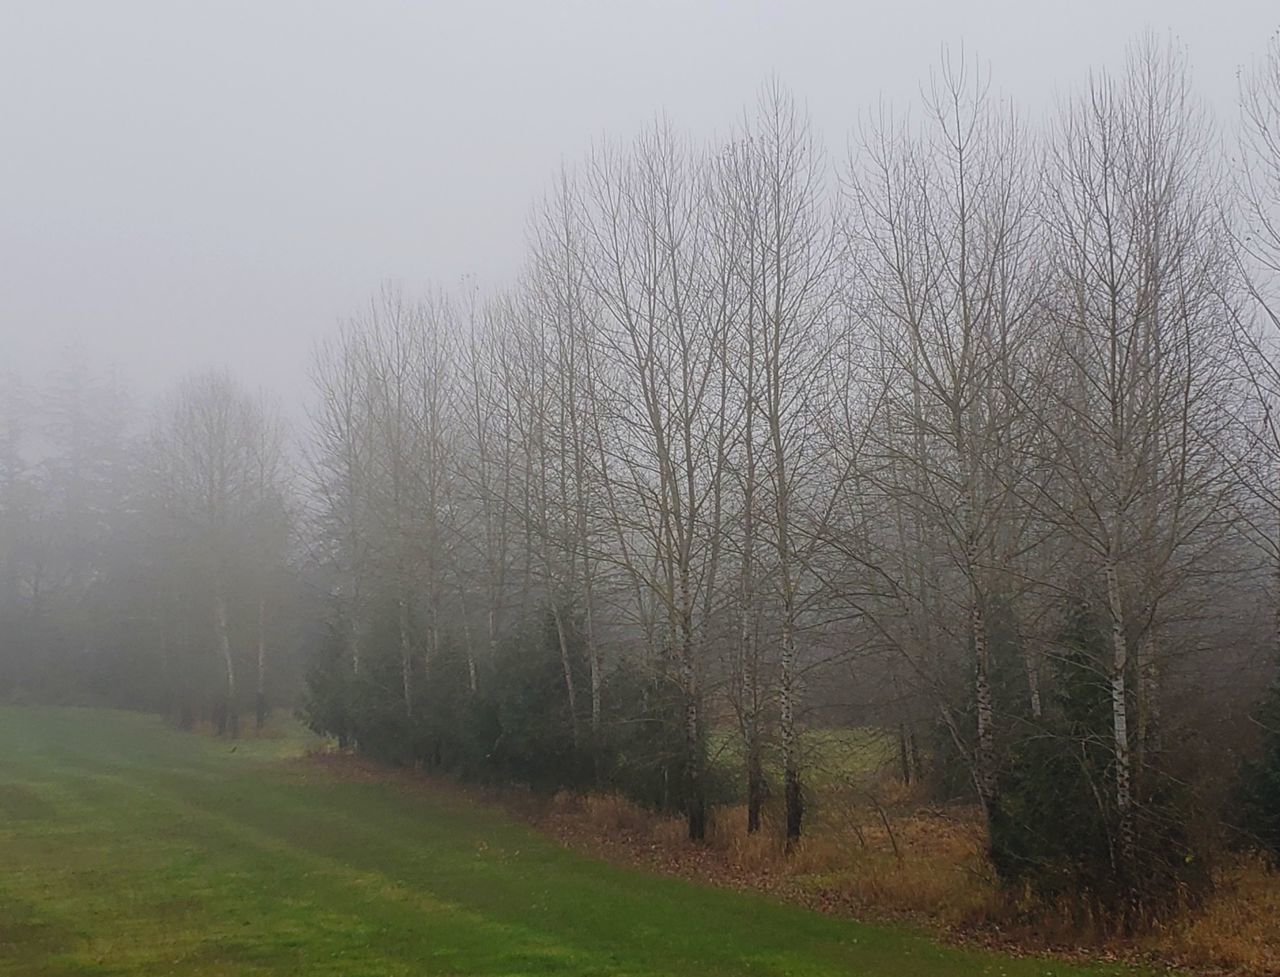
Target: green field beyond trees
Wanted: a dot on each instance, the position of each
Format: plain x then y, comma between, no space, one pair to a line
130,849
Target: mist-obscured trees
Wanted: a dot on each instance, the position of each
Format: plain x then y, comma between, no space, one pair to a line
146,569
971,439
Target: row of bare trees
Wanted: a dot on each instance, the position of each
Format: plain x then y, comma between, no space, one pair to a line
748,415
970,435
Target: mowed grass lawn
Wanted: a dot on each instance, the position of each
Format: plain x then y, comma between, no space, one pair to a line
130,849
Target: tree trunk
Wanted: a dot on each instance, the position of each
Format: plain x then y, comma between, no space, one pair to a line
985,758
566,665
260,712
1120,715
755,780
406,655
1032,667
904,754
907,758
792,793
695,799
1150,741
471,653
985,774
231,726
594,656
750,663
751,728
1276,611
694,791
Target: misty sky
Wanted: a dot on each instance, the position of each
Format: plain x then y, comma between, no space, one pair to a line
186,184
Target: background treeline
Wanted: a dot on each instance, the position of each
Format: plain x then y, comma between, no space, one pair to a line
145,562
968,437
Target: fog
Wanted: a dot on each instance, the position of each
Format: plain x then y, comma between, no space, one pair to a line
191,185
734,437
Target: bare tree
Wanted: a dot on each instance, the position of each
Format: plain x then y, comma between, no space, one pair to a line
340,464
775,186
216,455
944,223
663,331
1138,369
1258,461
566,319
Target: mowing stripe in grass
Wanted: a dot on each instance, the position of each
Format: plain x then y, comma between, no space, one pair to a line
140,851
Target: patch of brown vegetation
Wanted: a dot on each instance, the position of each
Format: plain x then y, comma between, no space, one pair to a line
1237,931
924,867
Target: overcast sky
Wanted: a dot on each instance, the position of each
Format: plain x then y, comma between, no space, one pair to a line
194,184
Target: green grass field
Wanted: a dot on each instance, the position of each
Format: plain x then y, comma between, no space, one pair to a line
129,849
831,757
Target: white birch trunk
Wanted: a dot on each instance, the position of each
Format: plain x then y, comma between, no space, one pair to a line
223,635
1120,713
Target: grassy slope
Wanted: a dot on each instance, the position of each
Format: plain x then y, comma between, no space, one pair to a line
129,849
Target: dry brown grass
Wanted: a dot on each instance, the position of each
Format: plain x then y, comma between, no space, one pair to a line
614,814
1237,931
922,864
760,853
854,857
